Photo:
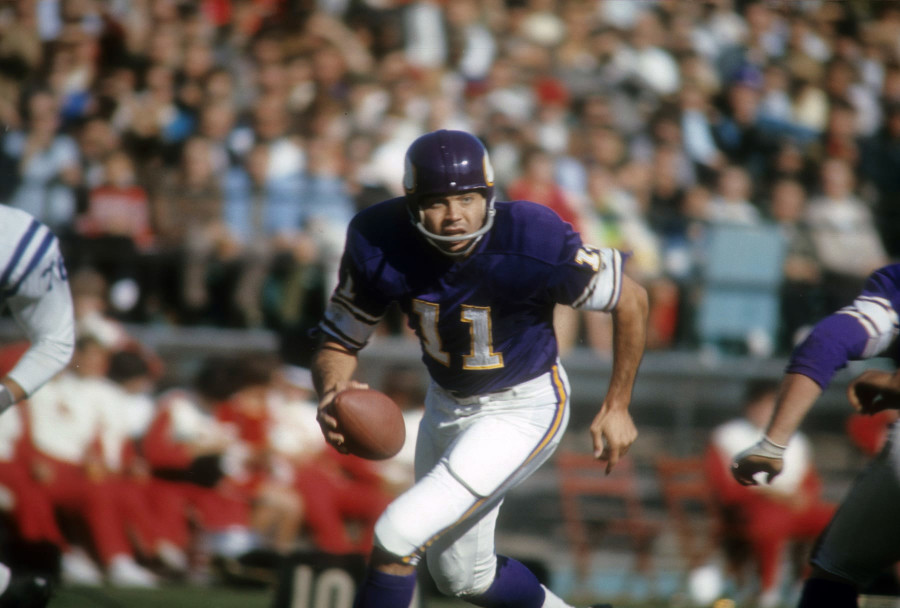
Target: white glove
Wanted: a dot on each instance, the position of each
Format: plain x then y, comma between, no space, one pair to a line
766,448
765,456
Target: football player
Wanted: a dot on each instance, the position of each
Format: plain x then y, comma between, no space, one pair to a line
478,280
863,538
34,285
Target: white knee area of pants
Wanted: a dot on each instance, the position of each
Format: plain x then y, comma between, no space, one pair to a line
417,516
500,442
394,538
463,583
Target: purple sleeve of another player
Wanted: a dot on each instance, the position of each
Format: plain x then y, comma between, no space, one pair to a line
865,329
833,342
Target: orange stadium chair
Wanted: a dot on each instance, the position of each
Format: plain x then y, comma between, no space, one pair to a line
703,528
687,496
598,508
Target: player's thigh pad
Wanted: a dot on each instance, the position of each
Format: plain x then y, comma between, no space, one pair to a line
512,434
492,453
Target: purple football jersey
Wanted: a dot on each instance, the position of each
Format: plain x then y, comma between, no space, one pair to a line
485,322
867,328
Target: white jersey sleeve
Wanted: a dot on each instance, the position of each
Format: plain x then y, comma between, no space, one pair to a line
34,284
603,292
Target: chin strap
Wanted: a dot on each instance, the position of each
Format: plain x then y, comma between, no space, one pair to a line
451,254
436,239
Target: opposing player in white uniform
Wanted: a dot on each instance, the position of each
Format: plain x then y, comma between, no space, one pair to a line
863,538
34,285
479,281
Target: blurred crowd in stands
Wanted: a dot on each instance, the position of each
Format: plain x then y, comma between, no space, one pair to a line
200,161
205,157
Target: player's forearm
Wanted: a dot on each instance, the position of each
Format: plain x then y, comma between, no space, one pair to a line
629,338
50,326
39,364
332,366
797,396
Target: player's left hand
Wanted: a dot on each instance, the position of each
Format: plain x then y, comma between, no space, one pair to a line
613,432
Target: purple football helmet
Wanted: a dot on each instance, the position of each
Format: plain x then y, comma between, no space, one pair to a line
448,162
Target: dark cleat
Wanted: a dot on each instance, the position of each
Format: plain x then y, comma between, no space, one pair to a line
26,592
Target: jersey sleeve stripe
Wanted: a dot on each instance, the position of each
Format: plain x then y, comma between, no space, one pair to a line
884,304
347,324
592,286
879,320
42,249
355,310
617,280
867,323
332,330
19,251
602,293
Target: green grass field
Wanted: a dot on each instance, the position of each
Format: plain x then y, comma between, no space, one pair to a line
226,597
167,597
205,597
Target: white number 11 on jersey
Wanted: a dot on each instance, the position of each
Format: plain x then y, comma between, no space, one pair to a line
481,356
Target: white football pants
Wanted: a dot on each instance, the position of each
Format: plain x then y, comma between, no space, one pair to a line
469,453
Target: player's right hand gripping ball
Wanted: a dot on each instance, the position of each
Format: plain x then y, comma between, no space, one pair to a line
875,397
372,424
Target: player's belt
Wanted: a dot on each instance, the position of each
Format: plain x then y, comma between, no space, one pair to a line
481,398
